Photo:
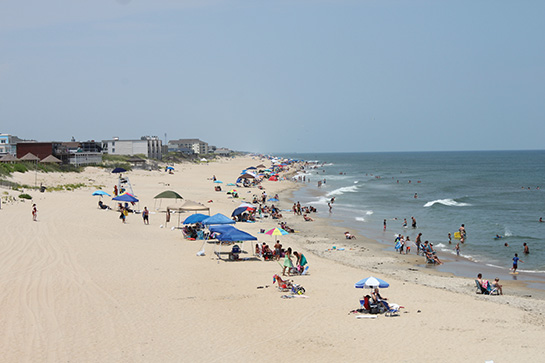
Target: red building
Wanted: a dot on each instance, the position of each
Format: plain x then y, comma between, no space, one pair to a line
43,150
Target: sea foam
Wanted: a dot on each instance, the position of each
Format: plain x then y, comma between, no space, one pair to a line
341,191
447,202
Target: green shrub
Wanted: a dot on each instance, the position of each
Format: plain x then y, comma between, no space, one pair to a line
25,196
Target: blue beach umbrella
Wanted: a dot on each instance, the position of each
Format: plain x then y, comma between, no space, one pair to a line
119,170
101,193
370,283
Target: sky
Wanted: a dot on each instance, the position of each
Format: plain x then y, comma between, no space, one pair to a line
277,76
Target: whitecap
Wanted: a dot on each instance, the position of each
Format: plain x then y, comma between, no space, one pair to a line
341,191
360,219
448,202
369,212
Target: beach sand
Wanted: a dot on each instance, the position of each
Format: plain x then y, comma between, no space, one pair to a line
80,286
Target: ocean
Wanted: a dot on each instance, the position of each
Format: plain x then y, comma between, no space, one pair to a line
490,192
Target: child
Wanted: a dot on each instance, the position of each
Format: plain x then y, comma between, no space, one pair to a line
497,285
516,259
457,248
449,238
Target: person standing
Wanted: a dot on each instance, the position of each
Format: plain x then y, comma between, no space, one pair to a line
526,249
414,222
516,260
34,213
145,215
123,214
384,223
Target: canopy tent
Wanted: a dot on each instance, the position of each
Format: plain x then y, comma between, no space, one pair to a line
191,206
125,197
196,218
118,170
230,234
167,194
218,219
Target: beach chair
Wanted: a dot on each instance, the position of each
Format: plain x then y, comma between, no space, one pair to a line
489,290
429,259
391,309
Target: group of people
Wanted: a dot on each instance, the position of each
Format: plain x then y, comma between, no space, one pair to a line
288,266
486,285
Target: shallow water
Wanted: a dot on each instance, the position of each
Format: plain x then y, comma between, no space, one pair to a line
492,193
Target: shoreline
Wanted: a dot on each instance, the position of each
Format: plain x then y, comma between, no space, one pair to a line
521,285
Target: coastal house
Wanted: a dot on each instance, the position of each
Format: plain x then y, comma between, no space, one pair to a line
222,151
150,146
195,146
43,150
8,144
84,153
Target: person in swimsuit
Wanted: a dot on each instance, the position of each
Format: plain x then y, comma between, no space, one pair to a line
145,215
516,260
34,213
287,262
526,249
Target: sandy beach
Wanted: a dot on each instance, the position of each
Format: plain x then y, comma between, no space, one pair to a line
80,286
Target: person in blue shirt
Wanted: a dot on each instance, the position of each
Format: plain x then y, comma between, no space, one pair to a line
516,260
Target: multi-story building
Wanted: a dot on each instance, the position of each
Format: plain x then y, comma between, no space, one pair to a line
196,145
150,146
8,144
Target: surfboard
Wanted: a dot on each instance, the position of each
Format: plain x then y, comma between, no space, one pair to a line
398,246
514,273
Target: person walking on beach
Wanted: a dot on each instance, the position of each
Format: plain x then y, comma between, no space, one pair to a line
516,260
34,213
418,242
123,214
145,215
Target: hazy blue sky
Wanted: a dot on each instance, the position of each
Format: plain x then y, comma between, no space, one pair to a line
277,76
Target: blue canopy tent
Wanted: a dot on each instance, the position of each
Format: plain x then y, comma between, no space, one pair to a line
125,198
195,218
230,234
221,228
218,219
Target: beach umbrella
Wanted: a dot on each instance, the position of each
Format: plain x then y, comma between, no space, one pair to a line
119,170
101,193
218,181
371,282
241,210
170,168
247,176
195,218
260,166
276,232
272,200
